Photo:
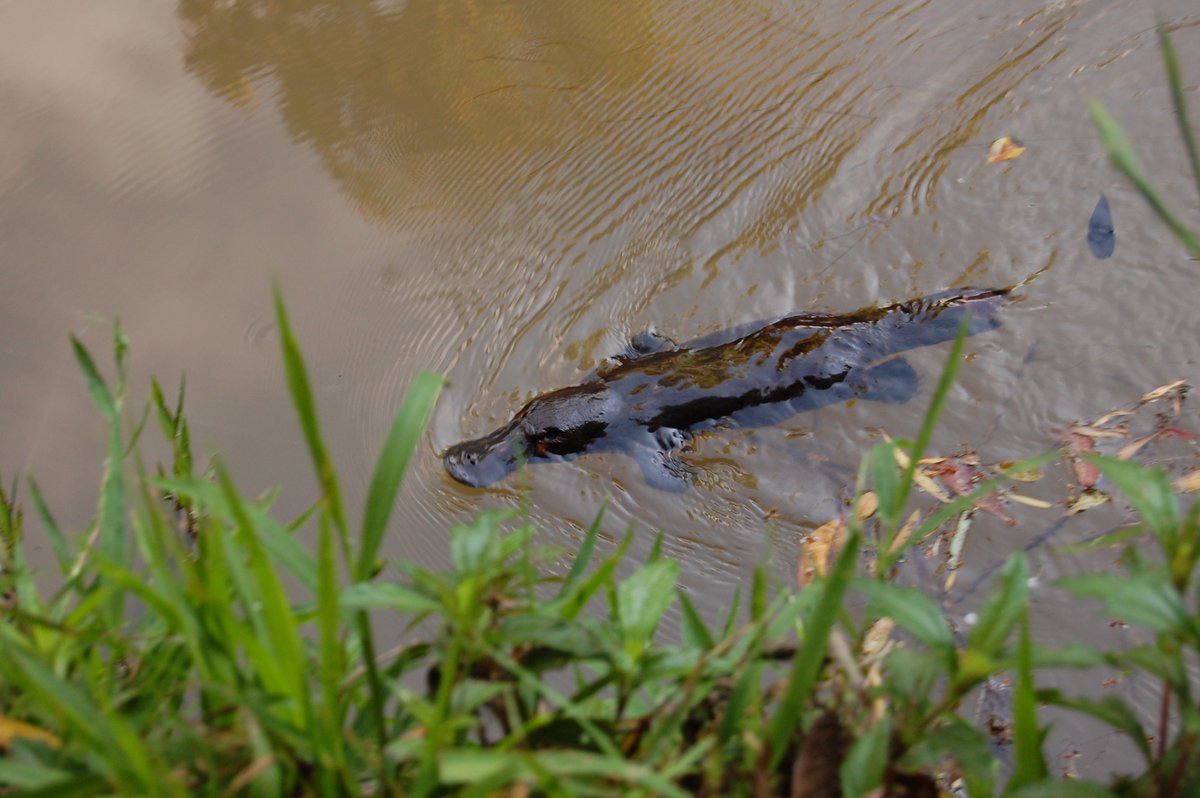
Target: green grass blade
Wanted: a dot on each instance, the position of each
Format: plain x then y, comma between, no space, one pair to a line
111,742
694,630
740,697
1121,154
1029,766
940,393
62,552
97,387
283,634
331,666
584,555
306,409
397,451
808,662
1175,79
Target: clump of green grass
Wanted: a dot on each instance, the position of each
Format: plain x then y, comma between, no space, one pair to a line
192,645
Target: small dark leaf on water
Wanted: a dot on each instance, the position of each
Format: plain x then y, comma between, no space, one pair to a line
1101,239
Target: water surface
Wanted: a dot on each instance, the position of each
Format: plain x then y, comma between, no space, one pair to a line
506,191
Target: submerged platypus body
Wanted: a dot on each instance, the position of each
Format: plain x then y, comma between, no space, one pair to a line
649,401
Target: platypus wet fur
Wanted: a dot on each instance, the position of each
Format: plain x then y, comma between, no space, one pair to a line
648,401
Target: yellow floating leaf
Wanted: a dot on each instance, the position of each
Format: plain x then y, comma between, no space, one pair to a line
878,639
1109,416
868,503
926,483
13,729
1086,501
905,532
1004,149
1029,501
1020,475
1162,390
1095,433
956,548
1130,449
818,551
1189,483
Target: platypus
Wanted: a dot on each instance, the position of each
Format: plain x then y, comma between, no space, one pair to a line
648,401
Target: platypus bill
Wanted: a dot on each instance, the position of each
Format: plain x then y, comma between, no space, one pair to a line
650,399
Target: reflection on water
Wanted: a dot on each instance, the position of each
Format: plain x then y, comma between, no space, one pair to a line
508,190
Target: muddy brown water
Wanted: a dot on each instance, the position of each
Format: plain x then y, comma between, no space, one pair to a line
506,191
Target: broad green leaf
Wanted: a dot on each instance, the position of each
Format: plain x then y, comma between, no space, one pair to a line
27,777
1002,609
862,769
969,746
913,610
643,598
1149,491
1108,709
469,543
387,595
1140,598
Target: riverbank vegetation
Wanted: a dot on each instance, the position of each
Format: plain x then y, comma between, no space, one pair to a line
189,643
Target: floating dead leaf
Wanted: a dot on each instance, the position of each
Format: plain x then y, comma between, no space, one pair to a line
1189,483
1086,501
878,639
956,548
1004,148
13,729
868,503
930,460
1130,449
963,477
1161,391
1029,501
905,532
1094,432
1086,474
819,550
1032,474
926,483
1109,416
